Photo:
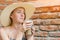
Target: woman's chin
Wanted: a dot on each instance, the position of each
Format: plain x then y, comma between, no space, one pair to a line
20,21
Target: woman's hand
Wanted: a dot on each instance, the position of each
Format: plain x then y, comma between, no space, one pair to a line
29,29
28,24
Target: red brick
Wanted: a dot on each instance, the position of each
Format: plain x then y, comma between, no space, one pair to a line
2,7
36,38
50,21
45,21
9,2
36,21
52,38
47,15
2,2
35,16
0,12
58,15
40,38
54,34
48,27
36,12
42,34
6,2
59,27
55,21
29,0
47,38
42,9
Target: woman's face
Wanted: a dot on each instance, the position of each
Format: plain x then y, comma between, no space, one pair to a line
18,15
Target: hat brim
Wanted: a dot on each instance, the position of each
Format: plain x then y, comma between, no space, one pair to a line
5,15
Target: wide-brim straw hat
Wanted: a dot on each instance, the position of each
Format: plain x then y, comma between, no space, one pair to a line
5,14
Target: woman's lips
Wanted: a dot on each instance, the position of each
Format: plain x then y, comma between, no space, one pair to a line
21,18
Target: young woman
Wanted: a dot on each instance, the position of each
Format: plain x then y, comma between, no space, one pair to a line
13,19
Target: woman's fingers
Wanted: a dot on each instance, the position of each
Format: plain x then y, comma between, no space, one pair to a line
27,24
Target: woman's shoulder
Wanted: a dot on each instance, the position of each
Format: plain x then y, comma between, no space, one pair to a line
0,33
3,29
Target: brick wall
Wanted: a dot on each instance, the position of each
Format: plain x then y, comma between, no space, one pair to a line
46,20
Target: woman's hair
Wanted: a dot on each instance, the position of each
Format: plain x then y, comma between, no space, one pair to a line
13,11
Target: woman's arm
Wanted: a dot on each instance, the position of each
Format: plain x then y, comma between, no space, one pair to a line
30,37
3,35
0,34
30,34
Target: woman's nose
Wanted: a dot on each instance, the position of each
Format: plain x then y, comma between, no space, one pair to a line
22,15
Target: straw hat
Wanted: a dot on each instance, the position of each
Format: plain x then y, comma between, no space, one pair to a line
5,15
